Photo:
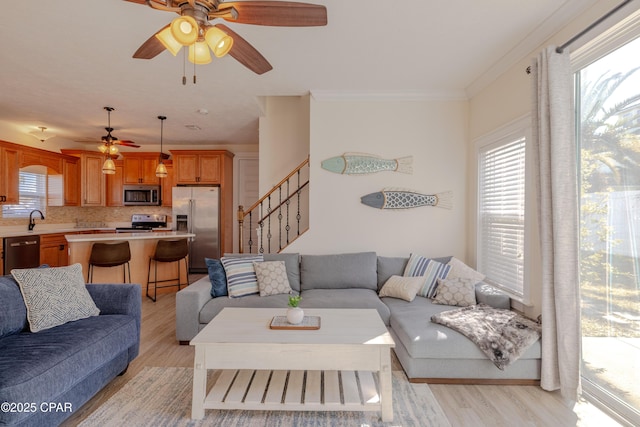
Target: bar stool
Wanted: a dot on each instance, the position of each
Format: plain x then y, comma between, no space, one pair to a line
168,251
110,255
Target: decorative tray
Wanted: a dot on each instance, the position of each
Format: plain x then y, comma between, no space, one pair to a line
308,322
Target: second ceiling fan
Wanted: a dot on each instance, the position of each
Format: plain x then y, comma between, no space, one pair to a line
192,28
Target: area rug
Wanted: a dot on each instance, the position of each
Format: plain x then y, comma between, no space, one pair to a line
162,397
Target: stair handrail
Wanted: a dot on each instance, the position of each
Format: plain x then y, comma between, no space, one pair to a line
242,214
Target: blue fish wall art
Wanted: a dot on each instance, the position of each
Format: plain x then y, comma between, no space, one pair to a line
360,163
405,199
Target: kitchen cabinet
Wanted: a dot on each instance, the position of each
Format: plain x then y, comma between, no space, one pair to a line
200,166
54,250
214,167
114,185
140,168
92,180
167,184
9,173
71,181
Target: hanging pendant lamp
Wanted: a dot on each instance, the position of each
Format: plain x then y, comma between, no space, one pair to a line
161,170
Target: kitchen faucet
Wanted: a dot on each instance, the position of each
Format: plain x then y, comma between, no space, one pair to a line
32,222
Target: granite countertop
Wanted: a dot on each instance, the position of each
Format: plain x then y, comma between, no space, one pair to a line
14,232
72,238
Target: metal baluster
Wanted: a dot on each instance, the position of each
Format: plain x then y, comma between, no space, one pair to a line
287,227
261,226
269,226
279,218
250,231
298,194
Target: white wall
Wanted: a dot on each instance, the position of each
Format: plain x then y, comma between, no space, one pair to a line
284,138
432,131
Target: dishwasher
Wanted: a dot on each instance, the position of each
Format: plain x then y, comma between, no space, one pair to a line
21,252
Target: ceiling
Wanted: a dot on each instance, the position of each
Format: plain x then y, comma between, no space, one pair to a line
62,62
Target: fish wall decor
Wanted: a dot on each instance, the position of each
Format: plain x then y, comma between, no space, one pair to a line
397,198
360,163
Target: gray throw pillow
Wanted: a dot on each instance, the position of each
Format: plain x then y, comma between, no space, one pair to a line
54,296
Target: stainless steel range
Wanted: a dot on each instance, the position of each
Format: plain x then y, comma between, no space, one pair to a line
143,223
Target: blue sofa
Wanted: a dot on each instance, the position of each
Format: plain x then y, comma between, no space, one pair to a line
46,376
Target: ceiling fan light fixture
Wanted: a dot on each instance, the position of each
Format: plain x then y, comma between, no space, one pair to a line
185,30
199,53
168,41
108,149
109,167
219,42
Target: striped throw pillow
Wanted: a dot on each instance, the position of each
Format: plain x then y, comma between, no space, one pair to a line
241,276
429,269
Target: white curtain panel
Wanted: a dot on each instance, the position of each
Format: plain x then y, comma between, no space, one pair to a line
555,153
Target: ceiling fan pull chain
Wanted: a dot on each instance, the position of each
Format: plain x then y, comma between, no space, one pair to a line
194,71
184,67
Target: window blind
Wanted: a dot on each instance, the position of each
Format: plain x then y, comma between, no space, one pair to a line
33,195
501,214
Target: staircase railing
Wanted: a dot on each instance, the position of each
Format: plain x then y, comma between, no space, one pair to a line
272,215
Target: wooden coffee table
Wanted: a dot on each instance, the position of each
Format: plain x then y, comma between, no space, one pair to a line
300,370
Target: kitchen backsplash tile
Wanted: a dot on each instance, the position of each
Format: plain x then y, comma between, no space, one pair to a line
91,215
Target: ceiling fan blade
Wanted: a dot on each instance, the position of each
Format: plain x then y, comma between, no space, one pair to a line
151,48
126,143
244,53
276,13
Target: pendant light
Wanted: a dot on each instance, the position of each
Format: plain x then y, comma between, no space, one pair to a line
161,170
109,167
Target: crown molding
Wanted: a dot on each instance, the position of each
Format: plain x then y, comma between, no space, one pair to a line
327,95
567,12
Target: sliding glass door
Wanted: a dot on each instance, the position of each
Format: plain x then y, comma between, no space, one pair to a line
609,141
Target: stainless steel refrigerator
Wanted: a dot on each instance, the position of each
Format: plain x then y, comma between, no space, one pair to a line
197,210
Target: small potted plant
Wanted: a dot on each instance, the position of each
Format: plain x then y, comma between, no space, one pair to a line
294,313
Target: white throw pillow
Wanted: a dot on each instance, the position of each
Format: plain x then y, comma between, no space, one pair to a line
272,278
401,287
460,270
459,292
54,296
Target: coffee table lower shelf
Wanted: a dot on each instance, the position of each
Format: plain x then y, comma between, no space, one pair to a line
295,391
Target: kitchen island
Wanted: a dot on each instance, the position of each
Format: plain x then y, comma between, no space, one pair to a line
142,247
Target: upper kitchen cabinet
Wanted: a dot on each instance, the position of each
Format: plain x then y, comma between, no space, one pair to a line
114,186
71,177
92,180
9,173
200,166
140,168
167,183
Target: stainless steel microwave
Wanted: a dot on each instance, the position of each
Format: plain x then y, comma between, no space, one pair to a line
141,195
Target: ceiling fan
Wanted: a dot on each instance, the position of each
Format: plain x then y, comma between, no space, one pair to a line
110,141
192,28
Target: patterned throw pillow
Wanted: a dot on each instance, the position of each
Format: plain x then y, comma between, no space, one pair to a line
217,277
241,276
460,292
401,287
272,278
429,270
461,270
54,296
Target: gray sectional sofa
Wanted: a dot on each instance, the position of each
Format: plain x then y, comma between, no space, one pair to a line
48,375
428,352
